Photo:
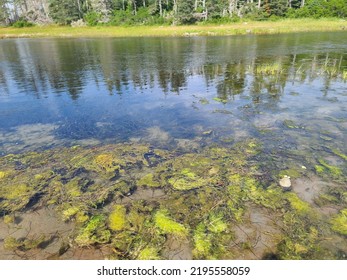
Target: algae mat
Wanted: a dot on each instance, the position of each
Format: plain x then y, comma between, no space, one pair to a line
129,201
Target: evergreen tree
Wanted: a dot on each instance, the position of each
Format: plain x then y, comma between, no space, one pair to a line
185,11
64,11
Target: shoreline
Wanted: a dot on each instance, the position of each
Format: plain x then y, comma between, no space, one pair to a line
239,28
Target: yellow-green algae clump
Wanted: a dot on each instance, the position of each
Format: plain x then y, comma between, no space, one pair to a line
148,181
117,219
167,225
339,222
95,231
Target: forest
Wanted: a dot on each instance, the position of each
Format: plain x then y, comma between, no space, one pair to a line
22,13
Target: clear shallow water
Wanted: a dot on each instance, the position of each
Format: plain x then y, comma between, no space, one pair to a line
164,148
106,90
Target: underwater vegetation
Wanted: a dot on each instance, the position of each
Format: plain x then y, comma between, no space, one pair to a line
269,69
206,204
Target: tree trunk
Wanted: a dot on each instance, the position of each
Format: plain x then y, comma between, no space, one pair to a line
160,8
175,7
135,7
79,8
259,4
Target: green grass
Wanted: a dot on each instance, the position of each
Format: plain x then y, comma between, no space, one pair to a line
250,27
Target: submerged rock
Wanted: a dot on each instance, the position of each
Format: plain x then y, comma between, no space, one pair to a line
285,183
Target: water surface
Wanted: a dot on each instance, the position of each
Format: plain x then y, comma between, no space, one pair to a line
102,114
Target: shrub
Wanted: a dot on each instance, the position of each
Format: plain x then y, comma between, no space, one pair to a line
22,23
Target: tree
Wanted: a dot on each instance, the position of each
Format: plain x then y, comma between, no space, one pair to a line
4,12
65,11
185,10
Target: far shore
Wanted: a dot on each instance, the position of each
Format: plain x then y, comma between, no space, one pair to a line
239,28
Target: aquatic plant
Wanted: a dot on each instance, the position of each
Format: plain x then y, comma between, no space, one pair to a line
190,172
23,244
15,196
218,99
269,69
168,225
325,198
3,174
204,101
339,153
291,172
148,181
331,71
149,253
339,222
117,219
216,223
333,170
300,206
344,75
9,219
319,169
301,238
70,212
290,124
210,192
202,242
107,162
94,231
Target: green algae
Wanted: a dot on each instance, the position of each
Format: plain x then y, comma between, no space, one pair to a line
290,124
117,218
339,222
148,181
202,242
301,207
319,169
217,223
204,101
221,100
344,75
9,219
191,172
107,162
269,69
333,170
205,196
168,225
94,232
326,199
291,172
149,253
15,196
4,174
23,244
339,153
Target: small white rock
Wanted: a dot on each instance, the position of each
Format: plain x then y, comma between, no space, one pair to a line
285,182
303,167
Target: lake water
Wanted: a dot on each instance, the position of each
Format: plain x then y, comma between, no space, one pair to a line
278,103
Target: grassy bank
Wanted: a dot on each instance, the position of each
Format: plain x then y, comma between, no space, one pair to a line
268,27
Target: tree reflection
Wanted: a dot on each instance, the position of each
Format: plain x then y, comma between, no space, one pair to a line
42,67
